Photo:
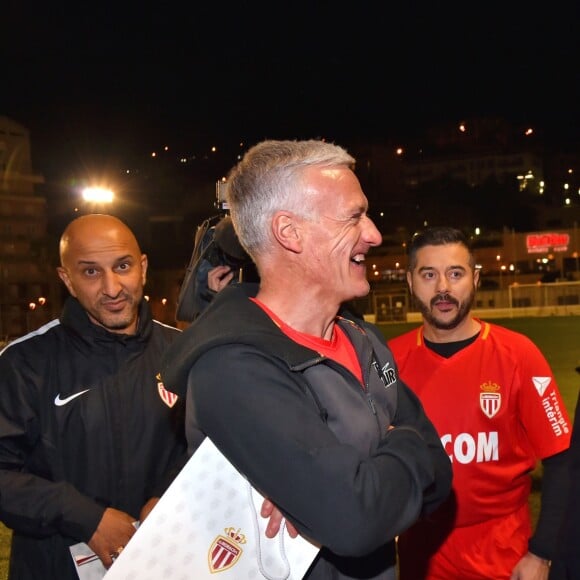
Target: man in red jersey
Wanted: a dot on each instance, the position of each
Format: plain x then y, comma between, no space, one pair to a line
494,401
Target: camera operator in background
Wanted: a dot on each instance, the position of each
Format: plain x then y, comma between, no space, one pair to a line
218,260
222,262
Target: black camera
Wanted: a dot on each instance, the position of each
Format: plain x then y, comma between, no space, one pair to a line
215,244
223,247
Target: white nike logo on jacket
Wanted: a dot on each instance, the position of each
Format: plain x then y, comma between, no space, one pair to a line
60,402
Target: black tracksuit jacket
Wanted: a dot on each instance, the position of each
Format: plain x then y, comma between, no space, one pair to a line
309,435
83,426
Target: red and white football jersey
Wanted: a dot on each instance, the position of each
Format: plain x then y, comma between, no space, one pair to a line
497,409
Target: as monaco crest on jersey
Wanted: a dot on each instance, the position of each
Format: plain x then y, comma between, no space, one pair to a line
226,550
490,399
167,397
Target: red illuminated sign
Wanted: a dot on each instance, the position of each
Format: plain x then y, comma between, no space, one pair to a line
547,242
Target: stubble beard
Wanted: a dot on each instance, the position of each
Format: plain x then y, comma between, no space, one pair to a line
430,318
116,323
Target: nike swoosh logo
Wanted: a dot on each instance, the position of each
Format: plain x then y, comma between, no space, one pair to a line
60,402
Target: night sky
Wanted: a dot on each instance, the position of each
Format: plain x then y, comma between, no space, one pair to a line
96,81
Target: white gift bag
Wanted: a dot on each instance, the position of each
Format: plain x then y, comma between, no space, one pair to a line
207,525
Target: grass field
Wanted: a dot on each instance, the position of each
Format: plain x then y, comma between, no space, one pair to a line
557,337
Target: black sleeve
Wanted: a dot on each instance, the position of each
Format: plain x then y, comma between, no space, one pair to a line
29,503
411,410
566,563
555,486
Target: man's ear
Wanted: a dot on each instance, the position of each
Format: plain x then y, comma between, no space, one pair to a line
410,281
144,265
63,275
476,274
286,230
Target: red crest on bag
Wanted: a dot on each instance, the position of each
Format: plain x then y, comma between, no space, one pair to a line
225,551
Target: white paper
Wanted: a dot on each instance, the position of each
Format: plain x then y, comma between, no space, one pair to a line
209,522
88,564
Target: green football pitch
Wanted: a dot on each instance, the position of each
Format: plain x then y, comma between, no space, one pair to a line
557,337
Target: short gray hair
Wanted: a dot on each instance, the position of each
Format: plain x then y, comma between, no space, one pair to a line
269,179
